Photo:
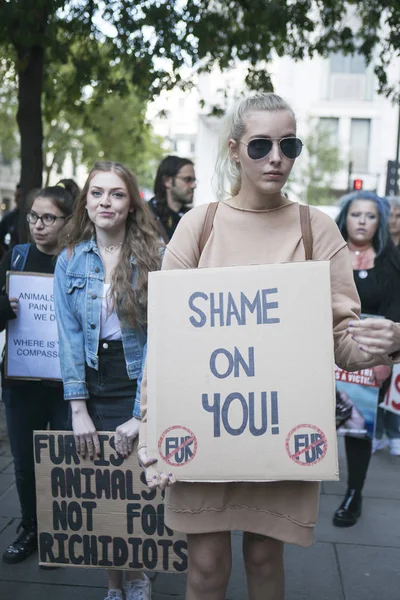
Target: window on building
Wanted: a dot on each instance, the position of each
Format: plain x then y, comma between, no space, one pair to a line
329,126
350,63
183,147
349,78
359,144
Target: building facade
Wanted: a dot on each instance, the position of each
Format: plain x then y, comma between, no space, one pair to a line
336,96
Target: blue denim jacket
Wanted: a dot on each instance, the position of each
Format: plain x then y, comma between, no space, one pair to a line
78,289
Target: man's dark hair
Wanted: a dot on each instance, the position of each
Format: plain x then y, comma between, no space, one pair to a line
168,167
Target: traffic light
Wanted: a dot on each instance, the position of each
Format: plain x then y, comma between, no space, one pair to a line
392,178
357,184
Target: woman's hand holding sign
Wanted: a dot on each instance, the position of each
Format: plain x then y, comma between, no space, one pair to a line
376,336
124,436
14,303
153,477
86,434
381,373
84,431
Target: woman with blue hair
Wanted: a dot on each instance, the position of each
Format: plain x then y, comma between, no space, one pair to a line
363,222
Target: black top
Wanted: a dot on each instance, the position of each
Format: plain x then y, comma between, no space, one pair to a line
167,219
37,262
379,291
379,287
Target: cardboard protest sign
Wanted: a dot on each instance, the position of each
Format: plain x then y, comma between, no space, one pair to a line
100,513
32,338
240,373
357,402
392,397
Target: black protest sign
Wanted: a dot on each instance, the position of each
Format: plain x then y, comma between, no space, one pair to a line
100,513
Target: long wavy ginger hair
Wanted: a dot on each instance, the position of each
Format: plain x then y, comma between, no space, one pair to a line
142,243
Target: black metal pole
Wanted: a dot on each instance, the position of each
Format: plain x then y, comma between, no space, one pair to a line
349,172
397,164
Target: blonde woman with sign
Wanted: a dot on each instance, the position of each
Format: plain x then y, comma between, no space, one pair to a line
257,224
32,405
101,303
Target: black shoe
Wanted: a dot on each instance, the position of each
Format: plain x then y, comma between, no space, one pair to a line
25,544
349,511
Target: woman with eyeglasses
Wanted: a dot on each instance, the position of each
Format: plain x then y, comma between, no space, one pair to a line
257,224
32,405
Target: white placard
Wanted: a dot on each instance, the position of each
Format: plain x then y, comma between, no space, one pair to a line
32,338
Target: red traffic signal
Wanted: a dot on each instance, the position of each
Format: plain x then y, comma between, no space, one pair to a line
357,184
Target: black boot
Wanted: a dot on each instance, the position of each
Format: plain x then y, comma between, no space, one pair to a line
25,544
349,511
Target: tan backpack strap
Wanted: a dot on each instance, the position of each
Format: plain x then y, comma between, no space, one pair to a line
306,231
208,225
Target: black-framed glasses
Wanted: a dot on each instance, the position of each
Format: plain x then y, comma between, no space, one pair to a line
258,148
47,219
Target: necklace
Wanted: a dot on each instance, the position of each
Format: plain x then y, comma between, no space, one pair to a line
112,249
362,273
363,259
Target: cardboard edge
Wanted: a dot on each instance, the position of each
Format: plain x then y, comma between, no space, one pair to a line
291,264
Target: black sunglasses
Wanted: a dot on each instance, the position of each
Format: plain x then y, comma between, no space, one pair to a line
258,148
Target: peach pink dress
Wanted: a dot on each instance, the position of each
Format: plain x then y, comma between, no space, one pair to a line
283,510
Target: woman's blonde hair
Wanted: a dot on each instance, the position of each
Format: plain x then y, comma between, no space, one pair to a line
234,128
142,243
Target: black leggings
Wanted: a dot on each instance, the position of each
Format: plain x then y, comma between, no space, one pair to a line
29,406
358,452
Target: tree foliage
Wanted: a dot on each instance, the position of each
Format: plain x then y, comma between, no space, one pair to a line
98,123
8,130
117,130
155,38
320,164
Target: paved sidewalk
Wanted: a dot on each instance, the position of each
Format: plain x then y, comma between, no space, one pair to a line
360,563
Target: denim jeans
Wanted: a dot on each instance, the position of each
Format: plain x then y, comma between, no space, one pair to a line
111,392
29,406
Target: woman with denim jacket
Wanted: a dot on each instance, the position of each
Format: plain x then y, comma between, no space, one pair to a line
101,303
